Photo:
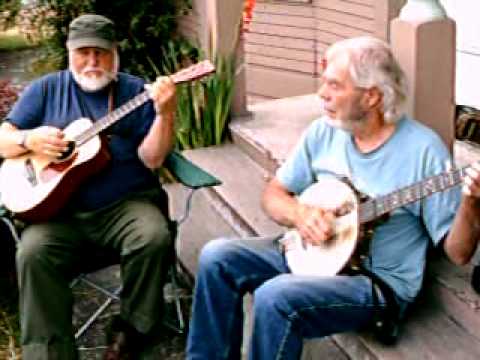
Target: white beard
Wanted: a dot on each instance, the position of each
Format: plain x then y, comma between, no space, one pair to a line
344,124
92,84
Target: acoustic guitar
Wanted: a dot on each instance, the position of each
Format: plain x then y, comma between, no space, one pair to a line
35,188
355,218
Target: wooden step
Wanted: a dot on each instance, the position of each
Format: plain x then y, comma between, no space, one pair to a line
243,182
202,224
273,127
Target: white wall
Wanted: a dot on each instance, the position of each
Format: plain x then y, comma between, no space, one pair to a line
466,13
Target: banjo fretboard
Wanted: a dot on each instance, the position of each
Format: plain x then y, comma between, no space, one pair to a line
375,208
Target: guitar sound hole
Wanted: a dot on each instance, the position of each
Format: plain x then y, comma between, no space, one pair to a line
67,153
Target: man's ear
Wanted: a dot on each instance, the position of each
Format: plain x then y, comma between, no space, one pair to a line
373,97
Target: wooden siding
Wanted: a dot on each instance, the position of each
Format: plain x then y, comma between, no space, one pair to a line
286,41
288,38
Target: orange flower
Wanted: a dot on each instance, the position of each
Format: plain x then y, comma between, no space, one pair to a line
248,6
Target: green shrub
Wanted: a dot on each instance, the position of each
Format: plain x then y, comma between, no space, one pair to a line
143,27
204,105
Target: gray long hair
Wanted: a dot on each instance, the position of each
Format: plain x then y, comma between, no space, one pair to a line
372,64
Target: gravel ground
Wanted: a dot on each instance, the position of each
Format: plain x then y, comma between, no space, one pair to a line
171,345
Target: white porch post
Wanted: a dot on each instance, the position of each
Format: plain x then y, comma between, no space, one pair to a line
423,40
424,10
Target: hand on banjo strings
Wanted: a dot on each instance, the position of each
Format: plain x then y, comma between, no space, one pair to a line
471,185
314,224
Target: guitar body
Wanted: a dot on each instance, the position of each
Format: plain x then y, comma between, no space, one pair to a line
330,258
35,188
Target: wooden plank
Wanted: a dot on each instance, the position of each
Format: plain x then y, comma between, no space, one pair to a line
279,52
279,41
321,47
429,334
299,1
451,285
364,2
464,314
278,30
346,7
295,21
272,82
341,30
326,348
353,346
282,64
328,37
283,8
345,19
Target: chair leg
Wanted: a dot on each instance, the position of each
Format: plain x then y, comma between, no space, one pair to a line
177,294
111,297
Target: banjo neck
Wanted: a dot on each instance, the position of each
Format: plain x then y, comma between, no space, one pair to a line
377,207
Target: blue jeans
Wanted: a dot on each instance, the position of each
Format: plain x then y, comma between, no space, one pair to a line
287,308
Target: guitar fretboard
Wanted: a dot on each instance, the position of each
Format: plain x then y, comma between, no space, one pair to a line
191,73
375,208
112,117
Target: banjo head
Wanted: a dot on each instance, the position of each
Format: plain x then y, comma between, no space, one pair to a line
330,257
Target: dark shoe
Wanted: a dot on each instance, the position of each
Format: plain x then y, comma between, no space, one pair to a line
124,342
476,279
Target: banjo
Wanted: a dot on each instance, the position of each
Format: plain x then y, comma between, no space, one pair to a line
355,217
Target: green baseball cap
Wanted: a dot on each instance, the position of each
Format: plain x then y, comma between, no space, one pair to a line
91,30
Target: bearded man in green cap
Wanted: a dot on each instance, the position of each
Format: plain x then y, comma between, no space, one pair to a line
116,211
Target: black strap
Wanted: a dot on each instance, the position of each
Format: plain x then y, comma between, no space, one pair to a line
385,289
387,322
85,110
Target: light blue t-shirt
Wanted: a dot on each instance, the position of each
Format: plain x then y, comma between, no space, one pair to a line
412,153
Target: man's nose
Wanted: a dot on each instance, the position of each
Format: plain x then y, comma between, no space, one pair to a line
92,59
322,91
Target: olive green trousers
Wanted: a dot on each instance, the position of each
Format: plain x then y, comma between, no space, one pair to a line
51,254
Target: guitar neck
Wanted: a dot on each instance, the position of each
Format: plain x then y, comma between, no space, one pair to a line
191,73
375,208
111,118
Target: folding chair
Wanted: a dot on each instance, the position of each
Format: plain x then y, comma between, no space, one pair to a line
192,177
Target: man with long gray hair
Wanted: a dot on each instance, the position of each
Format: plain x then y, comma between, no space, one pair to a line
300,284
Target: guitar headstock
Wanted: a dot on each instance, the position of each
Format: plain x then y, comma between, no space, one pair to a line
193,72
